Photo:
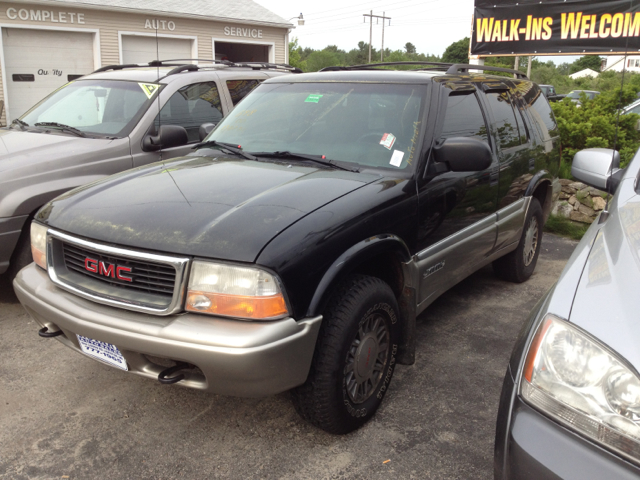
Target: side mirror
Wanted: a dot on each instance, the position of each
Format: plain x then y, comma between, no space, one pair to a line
168,136
464,154
596,166
205,129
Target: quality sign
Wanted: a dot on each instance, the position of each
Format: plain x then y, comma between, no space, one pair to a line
555,27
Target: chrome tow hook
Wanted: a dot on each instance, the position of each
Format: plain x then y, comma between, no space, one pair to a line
44,333
162,376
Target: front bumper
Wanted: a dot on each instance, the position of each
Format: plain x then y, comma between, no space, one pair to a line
239,358
539,448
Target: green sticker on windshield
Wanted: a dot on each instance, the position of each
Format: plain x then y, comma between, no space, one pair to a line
313,98
149,88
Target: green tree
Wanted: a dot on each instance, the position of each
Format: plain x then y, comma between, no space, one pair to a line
593,124
409,48
295,55
321,59
587,61
457,52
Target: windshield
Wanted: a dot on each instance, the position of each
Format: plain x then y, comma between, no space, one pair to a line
375,125
101,107
577,93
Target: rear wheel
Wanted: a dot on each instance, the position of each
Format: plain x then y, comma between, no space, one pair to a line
519,265
354,357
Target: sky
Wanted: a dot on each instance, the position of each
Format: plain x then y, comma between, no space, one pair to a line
431,25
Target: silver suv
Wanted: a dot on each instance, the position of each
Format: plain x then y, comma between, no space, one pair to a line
107,122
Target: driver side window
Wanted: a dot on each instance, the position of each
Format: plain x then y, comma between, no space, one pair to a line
190,107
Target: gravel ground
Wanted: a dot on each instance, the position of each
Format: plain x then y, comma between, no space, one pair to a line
65,416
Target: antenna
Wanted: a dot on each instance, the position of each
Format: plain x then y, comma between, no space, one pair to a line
615,139
158,79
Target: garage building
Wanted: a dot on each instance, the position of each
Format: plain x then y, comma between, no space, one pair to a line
47,43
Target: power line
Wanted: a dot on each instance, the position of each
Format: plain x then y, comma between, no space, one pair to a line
371,17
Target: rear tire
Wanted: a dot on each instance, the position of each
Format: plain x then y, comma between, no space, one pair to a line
354,358
519,265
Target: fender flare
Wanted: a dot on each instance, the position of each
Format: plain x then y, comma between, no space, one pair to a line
354,255
538,178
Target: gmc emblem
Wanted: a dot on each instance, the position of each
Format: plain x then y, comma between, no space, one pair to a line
107,269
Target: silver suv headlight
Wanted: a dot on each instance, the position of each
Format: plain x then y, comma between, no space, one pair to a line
39,244
233,291
573,378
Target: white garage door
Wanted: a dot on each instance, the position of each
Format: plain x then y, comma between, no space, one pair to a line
142,49
39,61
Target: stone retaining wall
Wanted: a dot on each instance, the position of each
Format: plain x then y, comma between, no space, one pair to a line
579,202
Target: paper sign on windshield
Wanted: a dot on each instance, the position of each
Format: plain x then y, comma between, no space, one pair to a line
313,98
396,158
149,88
387,141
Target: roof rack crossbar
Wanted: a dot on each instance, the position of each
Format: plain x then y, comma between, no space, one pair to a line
115,67
181,68
371,66
464,68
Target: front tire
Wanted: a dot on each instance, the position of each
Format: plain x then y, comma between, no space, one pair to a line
354,357
519,265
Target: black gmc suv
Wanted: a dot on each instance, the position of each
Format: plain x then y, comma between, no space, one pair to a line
294,248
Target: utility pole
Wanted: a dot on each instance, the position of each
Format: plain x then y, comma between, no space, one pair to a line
371,17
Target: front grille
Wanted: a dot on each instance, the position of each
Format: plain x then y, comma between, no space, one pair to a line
146,277
130,279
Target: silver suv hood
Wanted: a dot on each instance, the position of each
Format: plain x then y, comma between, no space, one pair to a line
23,149
607,301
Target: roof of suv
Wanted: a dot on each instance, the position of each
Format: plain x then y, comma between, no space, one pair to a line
422,72
382,76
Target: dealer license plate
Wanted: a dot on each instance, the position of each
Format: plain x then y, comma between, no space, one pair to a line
102,351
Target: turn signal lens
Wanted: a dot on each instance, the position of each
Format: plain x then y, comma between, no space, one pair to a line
231,291
39,244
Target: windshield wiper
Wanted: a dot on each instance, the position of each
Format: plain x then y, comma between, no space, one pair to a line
61,126
230,147
20,123
321,159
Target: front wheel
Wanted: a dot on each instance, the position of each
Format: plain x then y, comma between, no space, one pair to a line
519,265
354,358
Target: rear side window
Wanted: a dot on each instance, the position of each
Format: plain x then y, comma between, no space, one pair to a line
543,115
506,125
464,118
239,88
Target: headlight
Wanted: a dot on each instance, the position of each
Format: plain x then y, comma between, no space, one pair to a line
579,382
231,291
39,244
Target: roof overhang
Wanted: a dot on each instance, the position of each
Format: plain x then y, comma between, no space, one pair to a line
87,6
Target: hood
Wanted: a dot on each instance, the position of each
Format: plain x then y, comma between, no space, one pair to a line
607,301
218,207
20,150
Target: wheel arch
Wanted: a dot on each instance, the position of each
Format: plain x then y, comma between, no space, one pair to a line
540,188
386,257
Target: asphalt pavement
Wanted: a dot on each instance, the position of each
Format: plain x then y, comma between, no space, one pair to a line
63,415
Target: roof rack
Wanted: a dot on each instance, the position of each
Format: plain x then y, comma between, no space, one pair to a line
450,68
464,68
181,65
374,66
